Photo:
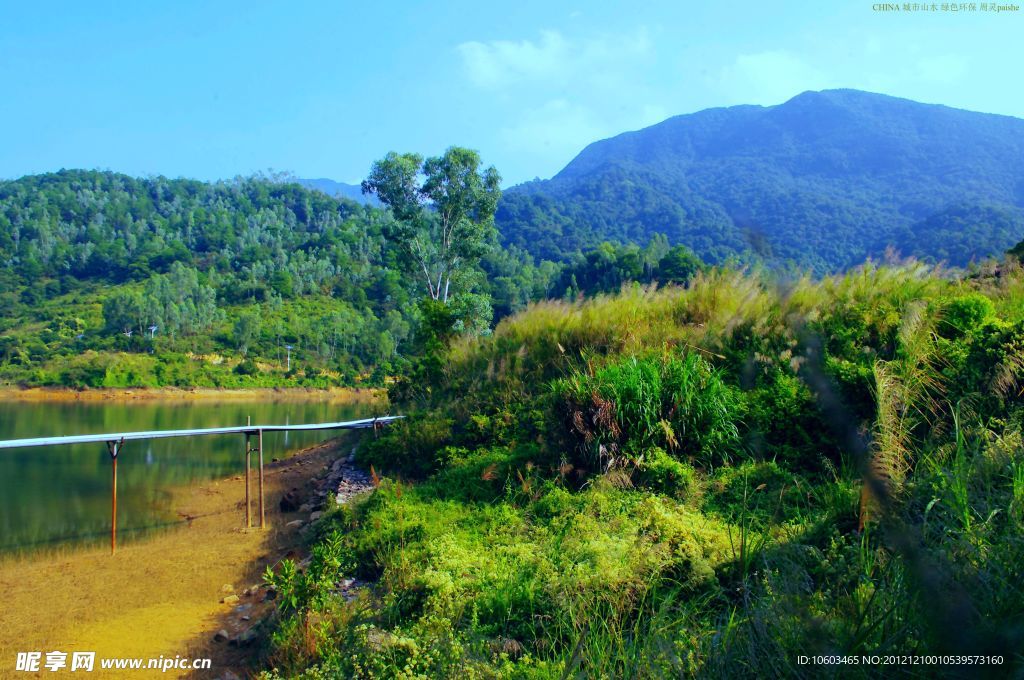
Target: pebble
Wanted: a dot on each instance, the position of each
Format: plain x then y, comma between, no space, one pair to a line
230,599
221,636
244,638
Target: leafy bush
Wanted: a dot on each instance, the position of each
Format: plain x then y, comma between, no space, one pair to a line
329,561
783,420
764,490
411,446
964,313
87,370
661,472
247,367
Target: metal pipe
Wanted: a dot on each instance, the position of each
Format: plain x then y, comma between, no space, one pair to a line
161,434
248,462
113,509
262,517
113,448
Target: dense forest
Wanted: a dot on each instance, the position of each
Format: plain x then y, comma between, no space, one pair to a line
714,480
108,280
825,181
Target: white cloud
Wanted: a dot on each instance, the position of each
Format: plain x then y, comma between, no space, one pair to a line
769,78
559,92
553,60
502,62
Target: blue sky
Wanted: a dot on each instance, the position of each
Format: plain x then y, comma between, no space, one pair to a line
217,89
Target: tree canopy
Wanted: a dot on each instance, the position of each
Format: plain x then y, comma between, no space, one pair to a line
443,209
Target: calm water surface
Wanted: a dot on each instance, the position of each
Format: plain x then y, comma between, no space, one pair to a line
52,496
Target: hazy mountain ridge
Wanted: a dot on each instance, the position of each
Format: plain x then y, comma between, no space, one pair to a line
825,179
339,189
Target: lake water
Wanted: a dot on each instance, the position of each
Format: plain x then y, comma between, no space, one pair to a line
52,496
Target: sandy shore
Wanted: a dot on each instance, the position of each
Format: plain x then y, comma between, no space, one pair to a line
339,394
161,595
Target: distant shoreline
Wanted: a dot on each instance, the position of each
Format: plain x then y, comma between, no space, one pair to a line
341,394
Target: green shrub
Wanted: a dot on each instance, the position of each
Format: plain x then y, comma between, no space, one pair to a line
584,512
411,446
963,314
480,474
986,367
247,367
86,370
856,383
763,490
661,472
783,422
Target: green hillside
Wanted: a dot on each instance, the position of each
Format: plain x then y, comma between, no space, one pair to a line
109,280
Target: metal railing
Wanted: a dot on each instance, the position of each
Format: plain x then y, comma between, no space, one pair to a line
115,442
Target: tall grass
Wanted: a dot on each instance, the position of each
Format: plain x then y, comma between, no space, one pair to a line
664,482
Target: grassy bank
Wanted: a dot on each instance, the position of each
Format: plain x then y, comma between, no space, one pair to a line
709,481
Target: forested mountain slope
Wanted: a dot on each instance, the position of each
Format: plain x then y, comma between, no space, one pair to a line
825,179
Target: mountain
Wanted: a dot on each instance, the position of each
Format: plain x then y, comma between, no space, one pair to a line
339,189
825,180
